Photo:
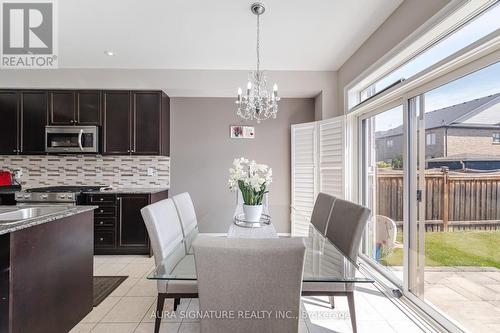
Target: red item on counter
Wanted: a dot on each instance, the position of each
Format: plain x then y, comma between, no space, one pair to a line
5,178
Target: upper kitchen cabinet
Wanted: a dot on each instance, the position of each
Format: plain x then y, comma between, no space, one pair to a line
88,108
75,107
136,123
24,116
62,107
117,122
34,106
9,109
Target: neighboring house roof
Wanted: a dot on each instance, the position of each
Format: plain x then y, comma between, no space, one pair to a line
484,111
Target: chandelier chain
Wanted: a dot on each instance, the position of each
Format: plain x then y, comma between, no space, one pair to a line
258,43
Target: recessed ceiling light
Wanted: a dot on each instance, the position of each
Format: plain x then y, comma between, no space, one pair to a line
109,53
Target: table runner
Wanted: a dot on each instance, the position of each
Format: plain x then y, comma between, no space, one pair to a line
267,231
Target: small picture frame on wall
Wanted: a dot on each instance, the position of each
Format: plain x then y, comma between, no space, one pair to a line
242,132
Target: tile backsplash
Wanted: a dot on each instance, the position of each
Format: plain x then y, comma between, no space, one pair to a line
115,171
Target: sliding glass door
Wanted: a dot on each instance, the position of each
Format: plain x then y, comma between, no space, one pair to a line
430,173
454,243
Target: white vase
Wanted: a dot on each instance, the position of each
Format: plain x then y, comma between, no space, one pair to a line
252,212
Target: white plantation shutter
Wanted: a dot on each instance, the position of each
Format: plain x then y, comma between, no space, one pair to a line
317,166
303,176
331,156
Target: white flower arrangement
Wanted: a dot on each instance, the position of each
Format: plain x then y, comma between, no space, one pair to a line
251,178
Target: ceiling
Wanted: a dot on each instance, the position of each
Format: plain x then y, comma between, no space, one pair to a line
313,35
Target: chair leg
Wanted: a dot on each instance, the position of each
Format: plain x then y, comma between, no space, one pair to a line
159,311
332,302
352,310
177,301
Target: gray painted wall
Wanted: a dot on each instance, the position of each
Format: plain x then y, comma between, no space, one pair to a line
202,153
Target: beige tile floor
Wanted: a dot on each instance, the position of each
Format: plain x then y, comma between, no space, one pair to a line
130,307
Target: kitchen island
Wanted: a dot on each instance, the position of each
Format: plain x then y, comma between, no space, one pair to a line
46,267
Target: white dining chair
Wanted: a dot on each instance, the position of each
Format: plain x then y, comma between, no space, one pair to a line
255,275
187,216
167,242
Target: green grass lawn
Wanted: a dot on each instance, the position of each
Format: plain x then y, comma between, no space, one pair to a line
461,248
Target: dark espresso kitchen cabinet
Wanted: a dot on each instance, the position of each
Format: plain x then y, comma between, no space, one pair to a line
118,224
62,107
117,122
80,107
131,228
146,112
7,198
9,110
88,108
136,123
130,122
34,105
24,116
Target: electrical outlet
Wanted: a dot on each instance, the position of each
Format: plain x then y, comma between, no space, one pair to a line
151,171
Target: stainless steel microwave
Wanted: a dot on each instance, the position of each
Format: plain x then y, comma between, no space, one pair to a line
71,139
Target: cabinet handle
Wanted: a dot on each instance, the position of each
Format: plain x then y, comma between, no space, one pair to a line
101,222
102,210
102,199
101,239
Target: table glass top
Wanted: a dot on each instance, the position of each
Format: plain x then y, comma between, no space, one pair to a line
323,263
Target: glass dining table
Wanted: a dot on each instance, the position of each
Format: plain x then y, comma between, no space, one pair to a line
324,262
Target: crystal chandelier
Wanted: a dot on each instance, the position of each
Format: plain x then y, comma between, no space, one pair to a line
258,103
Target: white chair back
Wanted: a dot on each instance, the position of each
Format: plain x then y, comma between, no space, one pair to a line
164,229
270,280
187,216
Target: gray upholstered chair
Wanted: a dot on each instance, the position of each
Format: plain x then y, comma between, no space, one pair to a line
321,211
344,229
187,216
236,274
346,226
164,229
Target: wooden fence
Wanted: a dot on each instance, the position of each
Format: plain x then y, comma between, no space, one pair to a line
453,200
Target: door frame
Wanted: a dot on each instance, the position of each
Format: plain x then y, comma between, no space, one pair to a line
362,181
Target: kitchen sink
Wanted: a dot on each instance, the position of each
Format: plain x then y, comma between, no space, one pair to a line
10,216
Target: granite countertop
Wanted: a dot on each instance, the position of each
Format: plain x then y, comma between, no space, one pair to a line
133,190
26,223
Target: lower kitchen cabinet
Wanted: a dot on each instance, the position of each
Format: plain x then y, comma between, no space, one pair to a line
118,224
7,199
131,228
